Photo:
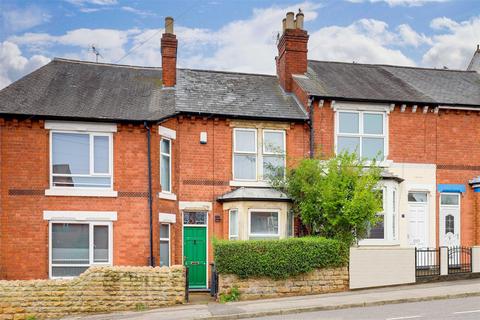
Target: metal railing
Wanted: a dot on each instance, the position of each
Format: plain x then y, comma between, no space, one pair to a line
427,262
187,284
213,280
459,260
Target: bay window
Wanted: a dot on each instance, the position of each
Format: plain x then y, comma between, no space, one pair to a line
81,160
263,224
77,246
386,229
233,224
258,156
361,132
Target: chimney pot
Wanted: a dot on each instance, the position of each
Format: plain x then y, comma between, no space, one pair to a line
290,20
169,25
299,20
284,24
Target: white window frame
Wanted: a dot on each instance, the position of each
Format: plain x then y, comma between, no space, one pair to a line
259,154
283,154
290,219
169,243
91,224
233,236
390,219
361,133
259,235
92,173
169,163
257,160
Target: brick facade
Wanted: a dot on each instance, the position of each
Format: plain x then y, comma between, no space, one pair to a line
200,172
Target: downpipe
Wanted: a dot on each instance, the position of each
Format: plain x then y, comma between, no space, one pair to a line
150,209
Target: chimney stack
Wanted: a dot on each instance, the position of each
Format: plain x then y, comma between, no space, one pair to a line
168,45
292,50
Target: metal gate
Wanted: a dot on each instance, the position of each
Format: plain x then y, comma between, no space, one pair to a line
427,262
459,260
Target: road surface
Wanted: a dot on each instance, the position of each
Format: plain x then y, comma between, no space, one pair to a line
451,309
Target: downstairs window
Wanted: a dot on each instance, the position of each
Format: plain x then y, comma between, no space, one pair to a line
77,246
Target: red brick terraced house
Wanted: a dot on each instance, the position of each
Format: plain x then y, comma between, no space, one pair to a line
105,164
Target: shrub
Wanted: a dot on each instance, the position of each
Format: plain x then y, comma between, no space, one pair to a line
337,198
234,295
278,259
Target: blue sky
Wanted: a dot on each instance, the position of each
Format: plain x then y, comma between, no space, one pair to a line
236,35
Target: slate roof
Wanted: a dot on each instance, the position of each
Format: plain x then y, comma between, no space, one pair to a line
254,194
76,89
368,82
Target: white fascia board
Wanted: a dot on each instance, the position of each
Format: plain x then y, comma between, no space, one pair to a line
167,133
80,215
81,126
362,106
167,217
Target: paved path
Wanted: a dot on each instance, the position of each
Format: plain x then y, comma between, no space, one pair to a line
452,309
351,299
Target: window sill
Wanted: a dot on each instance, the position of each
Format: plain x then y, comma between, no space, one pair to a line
167,196
72,192
378,242
239,183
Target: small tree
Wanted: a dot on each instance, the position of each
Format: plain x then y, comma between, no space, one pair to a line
335,198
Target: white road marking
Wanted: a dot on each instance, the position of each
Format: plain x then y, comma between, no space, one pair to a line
463,312
407,317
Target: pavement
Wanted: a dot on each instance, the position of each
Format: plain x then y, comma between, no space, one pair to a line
301,304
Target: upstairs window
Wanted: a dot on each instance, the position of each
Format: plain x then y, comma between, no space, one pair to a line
245,154
273,153
258,156
166,165
81,160
361,132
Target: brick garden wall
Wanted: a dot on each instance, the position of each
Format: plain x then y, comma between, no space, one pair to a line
99,289
315,282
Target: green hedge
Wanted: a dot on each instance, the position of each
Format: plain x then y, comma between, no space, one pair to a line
278,259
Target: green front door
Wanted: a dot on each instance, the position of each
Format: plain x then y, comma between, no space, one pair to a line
195,255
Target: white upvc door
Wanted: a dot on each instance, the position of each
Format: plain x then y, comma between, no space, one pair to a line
418,219
450,220
417,225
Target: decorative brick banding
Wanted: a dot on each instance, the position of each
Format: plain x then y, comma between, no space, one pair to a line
98,290
315,282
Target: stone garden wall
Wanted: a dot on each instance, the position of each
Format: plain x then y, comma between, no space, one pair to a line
315,282
99,289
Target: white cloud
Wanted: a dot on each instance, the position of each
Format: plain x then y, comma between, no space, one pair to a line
14,64
21,19
139,12
455,47
393,3
443,23
364,41
94,2
408,36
